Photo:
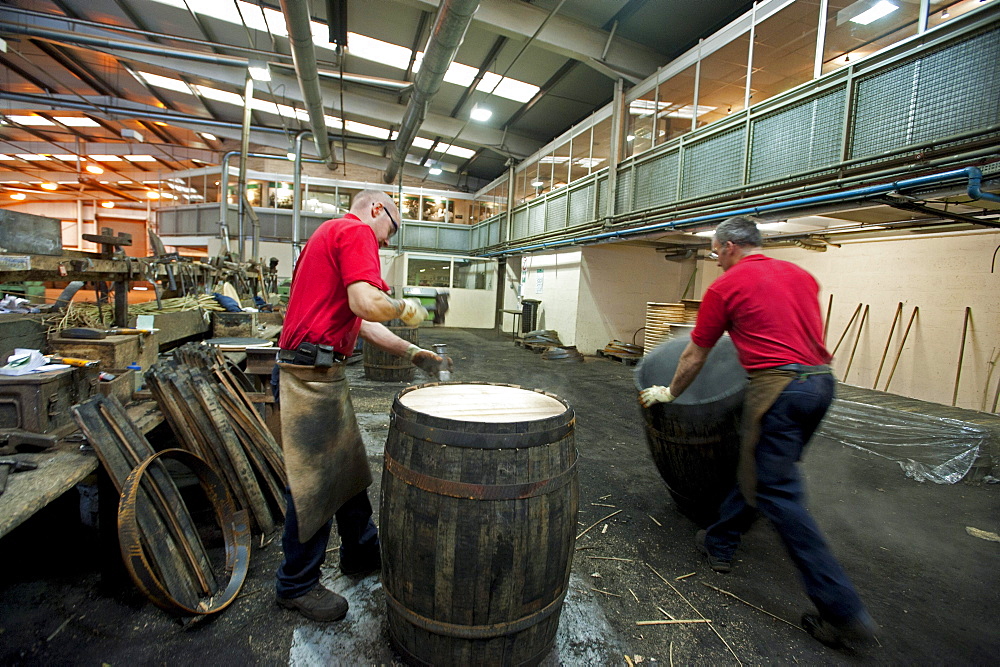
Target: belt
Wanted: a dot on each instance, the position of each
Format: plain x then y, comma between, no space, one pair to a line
806,371
308,354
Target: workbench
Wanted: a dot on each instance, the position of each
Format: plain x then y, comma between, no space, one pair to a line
59,470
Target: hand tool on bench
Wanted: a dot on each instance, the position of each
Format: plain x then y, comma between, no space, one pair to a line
71,361
11,466
16,441
87,333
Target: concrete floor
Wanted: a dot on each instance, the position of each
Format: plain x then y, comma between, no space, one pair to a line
930,583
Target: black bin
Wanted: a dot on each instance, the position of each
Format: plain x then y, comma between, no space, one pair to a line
529,315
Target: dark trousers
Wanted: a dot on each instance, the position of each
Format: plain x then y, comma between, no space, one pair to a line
785,431
300,570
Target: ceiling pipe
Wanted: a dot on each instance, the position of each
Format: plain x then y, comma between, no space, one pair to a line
447,34
299,24
972,174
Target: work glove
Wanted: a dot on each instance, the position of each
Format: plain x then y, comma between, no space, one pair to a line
427,361
655,394
413,313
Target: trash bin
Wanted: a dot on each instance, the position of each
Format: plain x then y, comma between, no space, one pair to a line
529,314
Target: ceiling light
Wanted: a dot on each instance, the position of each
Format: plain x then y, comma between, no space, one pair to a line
29,120
49,186
945,14
434,171
140,158
77,121
630,137
259,71
481,114
107,204
152,194
31,156
94,169
129,133
106,158
290,156
19,196
707,232
881,9
537,183
208,136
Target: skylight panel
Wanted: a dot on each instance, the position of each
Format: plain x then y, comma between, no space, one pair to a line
6,157
77,121
139,158
519,91
32,157
220,95
367,130
378,51
30,120
106,158
165,82
457,151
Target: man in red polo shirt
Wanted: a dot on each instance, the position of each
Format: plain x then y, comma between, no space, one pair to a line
337,294
771,310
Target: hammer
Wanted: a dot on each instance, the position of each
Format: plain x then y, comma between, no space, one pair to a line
9,467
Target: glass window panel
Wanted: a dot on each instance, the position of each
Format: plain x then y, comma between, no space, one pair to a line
522,190
411,207
942,11
428,272
579,164
784,50
466,211
722,88
474,274
560,165
602,145
641,112
862,27
676,106
437,209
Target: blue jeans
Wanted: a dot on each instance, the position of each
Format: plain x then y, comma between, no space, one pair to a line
785,431
300,570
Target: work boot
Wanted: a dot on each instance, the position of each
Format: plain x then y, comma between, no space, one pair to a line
717,564
859,630
361,561
319,604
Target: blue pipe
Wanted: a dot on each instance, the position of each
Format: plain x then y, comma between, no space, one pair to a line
974,175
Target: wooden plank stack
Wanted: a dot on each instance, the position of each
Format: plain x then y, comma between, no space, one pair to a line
661,316
207,406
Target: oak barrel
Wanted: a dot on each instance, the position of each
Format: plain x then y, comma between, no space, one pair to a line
478,519
695,440
384,367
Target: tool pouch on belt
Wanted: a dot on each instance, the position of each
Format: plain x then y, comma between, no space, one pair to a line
310,354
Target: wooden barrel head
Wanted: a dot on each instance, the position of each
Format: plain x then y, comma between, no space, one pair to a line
481,403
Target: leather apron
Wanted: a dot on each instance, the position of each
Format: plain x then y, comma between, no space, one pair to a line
764,388
324,455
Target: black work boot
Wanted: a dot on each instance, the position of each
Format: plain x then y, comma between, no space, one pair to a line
857,631
319,604
717,564
361,561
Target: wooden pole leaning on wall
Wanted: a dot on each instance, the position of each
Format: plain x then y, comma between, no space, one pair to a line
826,323
846,329
899,352
961,353
888,341
861,326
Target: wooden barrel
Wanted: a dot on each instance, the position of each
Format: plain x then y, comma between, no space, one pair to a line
384,367
695,440
478,521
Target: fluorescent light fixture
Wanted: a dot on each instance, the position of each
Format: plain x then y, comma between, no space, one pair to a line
94,169
553,159
537,183
77,121
32,157
49,186
434,171
107,204
106,158
630,137
208,136
481,114
139,158
707,232
19,196
129,133
687,111
152,194
290,156
645,107
259,71
65,157
881,9
589,162
30,120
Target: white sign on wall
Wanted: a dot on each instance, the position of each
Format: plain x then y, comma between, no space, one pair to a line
539,280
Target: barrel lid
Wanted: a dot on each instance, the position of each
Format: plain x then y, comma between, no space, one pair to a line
722,375
481,402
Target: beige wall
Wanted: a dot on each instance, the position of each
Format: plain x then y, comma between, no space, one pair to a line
616,282
942,275
559,296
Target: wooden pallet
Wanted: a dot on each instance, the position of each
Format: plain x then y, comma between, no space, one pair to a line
621,357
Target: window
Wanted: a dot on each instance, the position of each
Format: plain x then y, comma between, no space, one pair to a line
784,50
474,274
722,88
858,28
676,106
428,272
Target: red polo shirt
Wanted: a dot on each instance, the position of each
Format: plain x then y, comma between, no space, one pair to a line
770,308
341,252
